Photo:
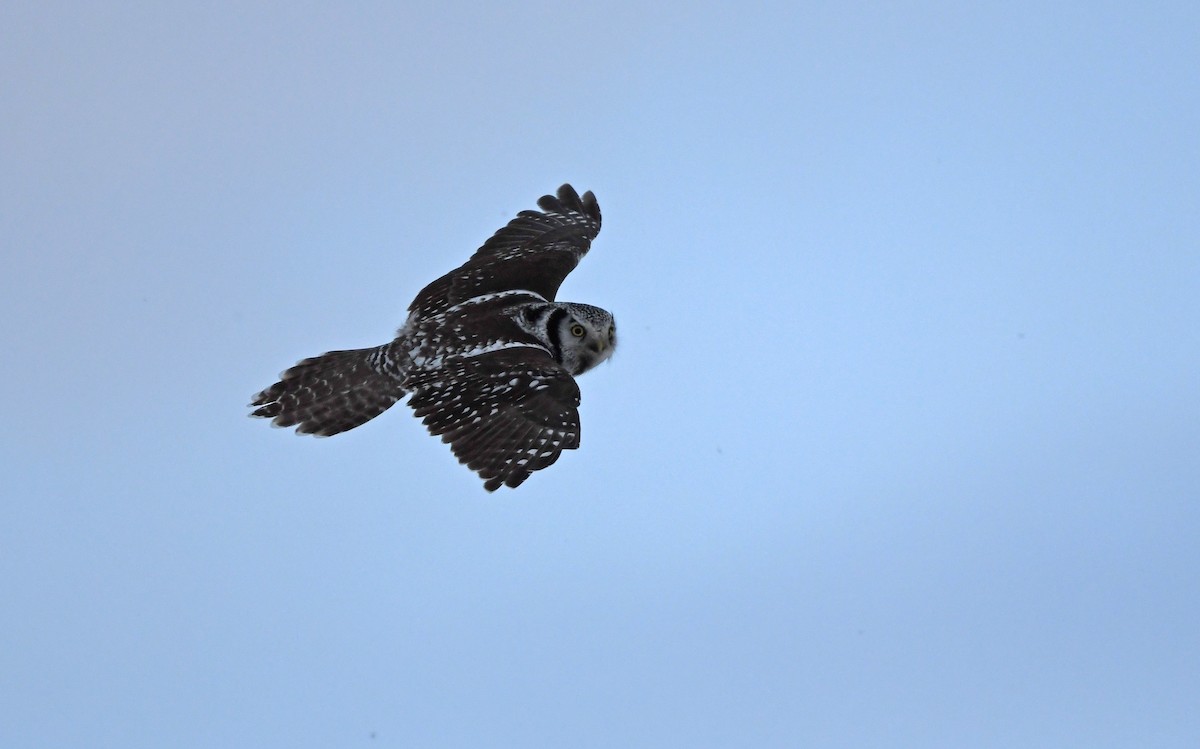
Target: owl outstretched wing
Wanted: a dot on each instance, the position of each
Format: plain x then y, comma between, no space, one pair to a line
533,252
505,413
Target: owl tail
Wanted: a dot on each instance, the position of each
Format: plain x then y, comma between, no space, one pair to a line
331,393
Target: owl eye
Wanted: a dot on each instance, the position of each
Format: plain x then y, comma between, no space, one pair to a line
577,330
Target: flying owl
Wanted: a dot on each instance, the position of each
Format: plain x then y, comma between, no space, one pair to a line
487,354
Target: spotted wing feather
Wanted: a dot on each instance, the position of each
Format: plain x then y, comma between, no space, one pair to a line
535,252
505,414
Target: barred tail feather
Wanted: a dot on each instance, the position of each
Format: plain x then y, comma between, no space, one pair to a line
330,393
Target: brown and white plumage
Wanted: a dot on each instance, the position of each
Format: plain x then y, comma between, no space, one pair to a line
487,354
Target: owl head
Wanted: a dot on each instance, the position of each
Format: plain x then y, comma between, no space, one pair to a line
586,335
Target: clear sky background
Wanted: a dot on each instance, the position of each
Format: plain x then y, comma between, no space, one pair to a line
900,447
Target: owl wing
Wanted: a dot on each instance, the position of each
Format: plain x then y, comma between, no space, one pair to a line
534,252
506,413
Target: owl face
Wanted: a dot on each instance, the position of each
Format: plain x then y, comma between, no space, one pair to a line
586,335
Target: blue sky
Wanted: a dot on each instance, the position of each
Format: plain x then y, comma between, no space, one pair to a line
899,447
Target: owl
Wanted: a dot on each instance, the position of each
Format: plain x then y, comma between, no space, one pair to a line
487,357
